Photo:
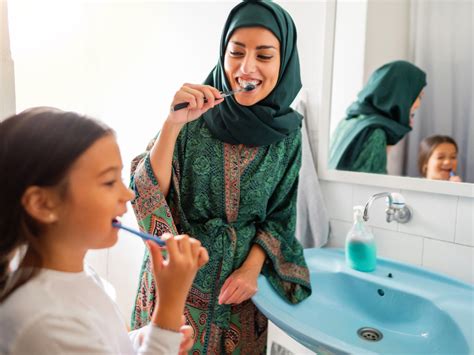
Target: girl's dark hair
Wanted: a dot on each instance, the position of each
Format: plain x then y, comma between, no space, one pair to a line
427,146
37,148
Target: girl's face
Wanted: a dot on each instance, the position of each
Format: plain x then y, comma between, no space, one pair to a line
441,162
415,107
252,56
95,196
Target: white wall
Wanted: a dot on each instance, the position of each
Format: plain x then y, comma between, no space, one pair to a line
309,17
7,80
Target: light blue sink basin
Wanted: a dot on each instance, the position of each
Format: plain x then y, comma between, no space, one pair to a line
415,310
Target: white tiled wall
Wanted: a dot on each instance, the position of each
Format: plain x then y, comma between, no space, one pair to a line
464,233
440,235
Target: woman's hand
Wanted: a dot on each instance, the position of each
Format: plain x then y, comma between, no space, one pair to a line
174,276
242,283
194,95
239,286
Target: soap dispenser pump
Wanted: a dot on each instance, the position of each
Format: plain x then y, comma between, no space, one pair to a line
360,244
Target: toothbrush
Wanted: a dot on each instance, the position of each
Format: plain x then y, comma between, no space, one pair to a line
249,87
452,173
142,235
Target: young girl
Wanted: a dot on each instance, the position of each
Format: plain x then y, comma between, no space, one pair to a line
438,158
61,188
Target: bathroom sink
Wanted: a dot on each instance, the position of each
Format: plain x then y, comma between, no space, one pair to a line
396,309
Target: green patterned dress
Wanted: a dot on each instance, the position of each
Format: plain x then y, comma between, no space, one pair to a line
229,197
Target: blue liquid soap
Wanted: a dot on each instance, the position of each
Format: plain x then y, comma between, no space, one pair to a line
360,245
361,256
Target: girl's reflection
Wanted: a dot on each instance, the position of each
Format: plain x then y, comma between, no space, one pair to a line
438,158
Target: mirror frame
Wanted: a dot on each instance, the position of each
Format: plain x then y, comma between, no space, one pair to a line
385,181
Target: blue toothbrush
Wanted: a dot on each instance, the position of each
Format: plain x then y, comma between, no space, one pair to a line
142,235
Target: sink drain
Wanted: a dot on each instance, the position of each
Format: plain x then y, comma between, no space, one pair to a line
369,334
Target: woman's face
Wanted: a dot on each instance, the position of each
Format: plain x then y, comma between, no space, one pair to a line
415,107
252,56
95,196
442,161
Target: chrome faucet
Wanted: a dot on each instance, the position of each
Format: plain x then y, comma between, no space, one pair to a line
397,209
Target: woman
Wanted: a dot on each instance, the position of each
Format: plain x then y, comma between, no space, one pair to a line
438,158
226,172
381,116
56,205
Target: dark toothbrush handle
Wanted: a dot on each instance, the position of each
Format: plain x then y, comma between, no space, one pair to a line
182,105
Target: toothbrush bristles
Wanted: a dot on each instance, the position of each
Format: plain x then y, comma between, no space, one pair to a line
249,87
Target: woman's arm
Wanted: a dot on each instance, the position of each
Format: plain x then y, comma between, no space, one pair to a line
255,259
161,155
242,284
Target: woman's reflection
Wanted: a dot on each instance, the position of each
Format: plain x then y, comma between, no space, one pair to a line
438,158
381,116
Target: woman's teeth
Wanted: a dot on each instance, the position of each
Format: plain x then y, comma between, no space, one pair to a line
244,83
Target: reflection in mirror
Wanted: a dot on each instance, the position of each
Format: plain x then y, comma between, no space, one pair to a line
374,43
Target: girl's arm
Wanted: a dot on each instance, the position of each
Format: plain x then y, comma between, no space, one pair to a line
174,277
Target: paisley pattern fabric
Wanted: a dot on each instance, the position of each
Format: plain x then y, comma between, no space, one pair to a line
229,197
372,157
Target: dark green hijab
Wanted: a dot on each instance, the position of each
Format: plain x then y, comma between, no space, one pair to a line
384,102
271,119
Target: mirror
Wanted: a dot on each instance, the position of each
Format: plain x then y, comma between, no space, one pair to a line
374,180
368,34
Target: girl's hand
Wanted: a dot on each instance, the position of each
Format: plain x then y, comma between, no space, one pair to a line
188,340
174,276
455,178
194,95
239,286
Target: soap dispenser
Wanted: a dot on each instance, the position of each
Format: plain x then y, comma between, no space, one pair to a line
360,244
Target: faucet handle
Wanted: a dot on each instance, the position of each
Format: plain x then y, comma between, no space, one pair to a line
398,201
398,210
